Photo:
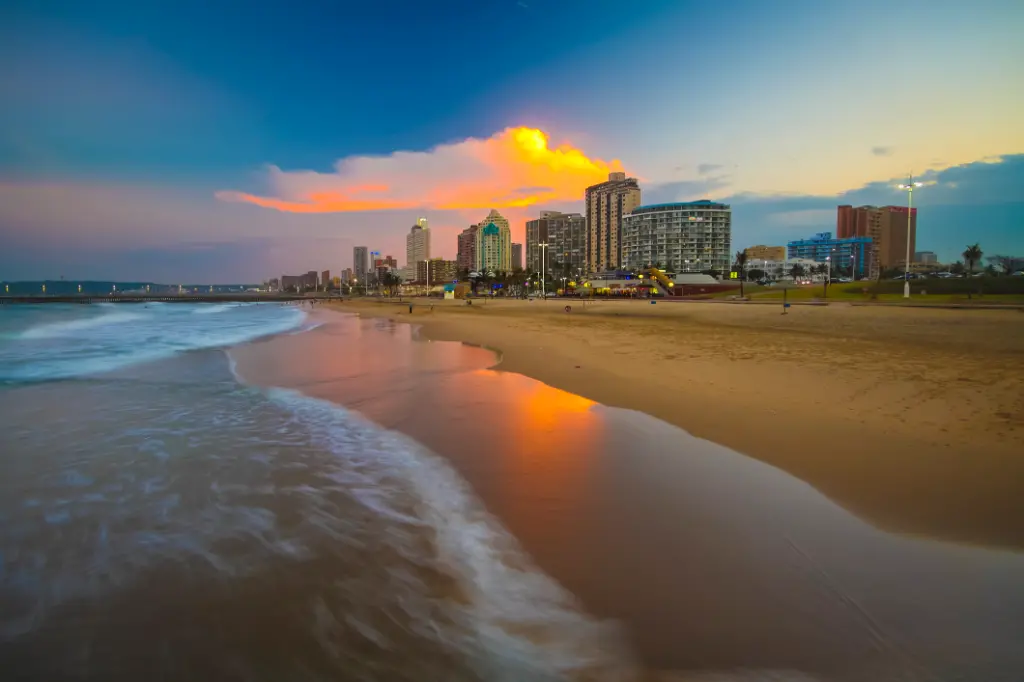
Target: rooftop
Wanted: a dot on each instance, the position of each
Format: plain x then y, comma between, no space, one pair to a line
681,205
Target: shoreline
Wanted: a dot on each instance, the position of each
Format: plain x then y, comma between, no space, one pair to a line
744,568
812,393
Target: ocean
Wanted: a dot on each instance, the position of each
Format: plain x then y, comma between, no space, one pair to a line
258,492
162,520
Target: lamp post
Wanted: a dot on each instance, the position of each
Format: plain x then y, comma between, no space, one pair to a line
909,187
543,270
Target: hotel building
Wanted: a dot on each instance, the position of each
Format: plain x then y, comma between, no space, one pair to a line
360,262
768,253
851,257
466,253
493,244
607,203
692,236
417,243
566,237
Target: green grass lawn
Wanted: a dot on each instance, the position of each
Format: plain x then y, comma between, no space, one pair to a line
854,293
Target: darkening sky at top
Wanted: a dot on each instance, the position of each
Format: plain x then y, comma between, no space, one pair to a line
237,140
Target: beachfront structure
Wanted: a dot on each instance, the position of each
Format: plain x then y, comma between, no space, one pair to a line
565,235
852,257
517,256
417,243
781,269
466,253
607,203
689,236
888,228
493,244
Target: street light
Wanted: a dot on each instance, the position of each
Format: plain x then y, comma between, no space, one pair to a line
909,187
543,269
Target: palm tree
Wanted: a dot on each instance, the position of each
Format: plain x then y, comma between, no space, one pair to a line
972,254
796,271
741,261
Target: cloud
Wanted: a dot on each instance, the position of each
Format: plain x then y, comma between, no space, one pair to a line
683,190
515,168
978,201
883,151
160,233
706,168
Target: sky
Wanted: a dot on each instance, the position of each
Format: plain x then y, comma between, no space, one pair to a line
234,142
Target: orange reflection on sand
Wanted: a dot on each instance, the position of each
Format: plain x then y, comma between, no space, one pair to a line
548,442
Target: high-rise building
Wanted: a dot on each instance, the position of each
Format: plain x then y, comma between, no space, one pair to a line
360,262
346,275
325,279
441,271
494,244
769,253
607,203
466,255
566,237
517,256
847,256
417,243
888,226
691,236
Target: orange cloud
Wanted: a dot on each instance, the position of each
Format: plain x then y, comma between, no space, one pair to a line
514,168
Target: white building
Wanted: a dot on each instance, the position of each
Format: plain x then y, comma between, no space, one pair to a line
680,237
417,244
780,269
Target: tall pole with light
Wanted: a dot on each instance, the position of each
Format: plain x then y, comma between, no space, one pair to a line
910,186
543,270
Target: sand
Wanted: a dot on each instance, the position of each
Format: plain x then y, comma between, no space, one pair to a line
913,419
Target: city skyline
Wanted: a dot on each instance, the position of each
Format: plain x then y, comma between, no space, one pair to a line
196,151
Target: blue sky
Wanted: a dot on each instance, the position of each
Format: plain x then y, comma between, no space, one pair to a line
123,122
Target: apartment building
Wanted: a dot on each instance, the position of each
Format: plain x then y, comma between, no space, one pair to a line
560,239
889,227
690,236
493,244
606,204
417,243
466,254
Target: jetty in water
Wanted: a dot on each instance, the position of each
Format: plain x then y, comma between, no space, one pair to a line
241,297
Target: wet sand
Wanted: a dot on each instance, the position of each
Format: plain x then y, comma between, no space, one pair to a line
711,560
911,418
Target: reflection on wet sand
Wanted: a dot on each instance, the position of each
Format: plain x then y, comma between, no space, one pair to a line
712,560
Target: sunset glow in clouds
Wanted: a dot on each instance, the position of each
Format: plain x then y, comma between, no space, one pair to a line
514,168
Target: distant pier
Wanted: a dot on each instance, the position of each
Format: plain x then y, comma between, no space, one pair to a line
165,298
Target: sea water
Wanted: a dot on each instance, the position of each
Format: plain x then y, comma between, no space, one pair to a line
161,520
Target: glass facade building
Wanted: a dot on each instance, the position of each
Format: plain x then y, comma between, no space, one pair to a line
851,256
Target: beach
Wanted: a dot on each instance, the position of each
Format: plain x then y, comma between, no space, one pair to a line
250,492
706,562
911,418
